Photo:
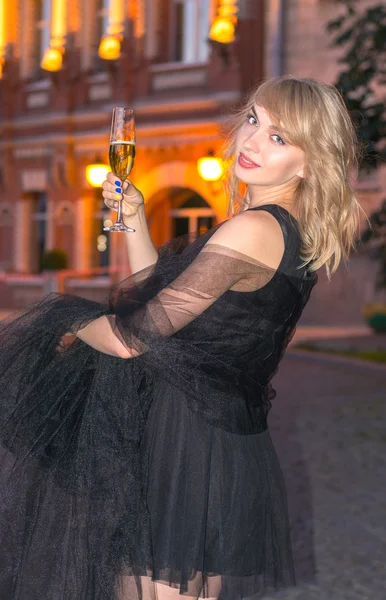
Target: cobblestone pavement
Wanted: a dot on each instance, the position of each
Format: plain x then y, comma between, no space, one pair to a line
328,423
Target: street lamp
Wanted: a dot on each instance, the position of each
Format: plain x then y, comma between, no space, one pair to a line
52,59
223,26
210,168
96,173
110,47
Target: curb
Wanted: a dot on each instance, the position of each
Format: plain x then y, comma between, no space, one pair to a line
335,359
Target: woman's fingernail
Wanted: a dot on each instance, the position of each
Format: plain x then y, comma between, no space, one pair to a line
119,190
117,196
117,183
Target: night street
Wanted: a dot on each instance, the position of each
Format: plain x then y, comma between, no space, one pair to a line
328,425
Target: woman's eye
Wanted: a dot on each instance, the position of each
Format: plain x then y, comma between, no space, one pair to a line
278,140
252,120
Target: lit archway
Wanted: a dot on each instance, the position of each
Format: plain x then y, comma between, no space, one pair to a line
179,174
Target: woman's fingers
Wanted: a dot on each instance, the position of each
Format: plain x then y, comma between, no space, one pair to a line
113,179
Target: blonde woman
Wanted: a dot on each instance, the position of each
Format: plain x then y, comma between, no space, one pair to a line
139,459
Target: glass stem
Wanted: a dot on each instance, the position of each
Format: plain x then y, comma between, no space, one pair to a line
119,218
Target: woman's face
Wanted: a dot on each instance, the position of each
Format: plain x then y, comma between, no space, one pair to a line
263,156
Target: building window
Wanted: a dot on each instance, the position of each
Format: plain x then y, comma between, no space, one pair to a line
190,27
102,20
42,19
6,237
193,216
39,229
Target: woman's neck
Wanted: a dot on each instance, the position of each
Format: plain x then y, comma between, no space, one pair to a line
281,194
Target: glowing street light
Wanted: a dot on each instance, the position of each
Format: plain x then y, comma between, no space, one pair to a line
223,26
96,174
52,60
222,31
110,47
210,168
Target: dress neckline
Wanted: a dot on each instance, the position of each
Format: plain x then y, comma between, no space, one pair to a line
277,206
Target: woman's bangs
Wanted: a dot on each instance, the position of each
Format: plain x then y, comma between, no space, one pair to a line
283,104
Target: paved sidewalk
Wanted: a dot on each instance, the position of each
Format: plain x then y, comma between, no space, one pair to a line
328,423
341,338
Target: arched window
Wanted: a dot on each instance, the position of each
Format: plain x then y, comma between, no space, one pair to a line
192,214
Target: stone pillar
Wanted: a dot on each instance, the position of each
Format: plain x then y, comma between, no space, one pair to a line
58,23
83,231
22,232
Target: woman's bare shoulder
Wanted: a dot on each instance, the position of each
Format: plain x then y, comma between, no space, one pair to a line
256,234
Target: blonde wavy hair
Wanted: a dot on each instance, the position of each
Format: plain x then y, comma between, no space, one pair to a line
316,120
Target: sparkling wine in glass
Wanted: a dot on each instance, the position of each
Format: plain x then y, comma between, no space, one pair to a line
122,154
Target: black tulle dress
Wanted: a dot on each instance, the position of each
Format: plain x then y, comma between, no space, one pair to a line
121,476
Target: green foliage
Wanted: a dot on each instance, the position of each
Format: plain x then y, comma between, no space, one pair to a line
361,33
375,237
54,260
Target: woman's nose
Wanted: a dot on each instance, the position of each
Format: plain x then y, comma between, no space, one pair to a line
251,143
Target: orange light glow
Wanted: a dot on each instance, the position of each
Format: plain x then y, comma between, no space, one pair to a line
110,48
210,168
96,174
58,23
3,34
52,60
223,26
222,31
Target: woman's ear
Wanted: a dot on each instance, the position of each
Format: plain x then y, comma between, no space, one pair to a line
300,173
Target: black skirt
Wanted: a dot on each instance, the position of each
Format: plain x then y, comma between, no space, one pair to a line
217,505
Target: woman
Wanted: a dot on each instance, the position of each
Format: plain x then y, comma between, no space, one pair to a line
138,462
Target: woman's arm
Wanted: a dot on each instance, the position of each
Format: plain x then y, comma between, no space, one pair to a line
140,248
99,335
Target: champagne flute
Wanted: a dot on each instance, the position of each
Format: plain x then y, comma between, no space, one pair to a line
122,154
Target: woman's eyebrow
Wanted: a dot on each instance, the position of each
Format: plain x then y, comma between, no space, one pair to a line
273,127
279,130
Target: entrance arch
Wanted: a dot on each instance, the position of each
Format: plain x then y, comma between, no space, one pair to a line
176,211
165,189
180,174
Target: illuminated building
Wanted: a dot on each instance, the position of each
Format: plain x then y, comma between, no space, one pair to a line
154,56
66,63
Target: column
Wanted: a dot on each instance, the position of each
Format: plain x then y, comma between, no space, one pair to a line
83,231
116,17
3,34
22,233
58,23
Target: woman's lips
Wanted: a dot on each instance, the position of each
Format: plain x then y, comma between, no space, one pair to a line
246,162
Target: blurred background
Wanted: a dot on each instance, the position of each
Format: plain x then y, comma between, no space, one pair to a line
182,65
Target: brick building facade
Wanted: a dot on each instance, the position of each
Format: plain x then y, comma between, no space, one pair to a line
53,124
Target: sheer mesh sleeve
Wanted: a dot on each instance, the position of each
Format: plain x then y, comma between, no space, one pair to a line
214,271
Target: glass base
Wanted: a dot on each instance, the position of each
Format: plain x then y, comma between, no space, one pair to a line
119,227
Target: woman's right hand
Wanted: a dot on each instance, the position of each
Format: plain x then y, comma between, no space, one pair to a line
132,197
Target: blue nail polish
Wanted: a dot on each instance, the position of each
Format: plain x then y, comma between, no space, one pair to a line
119,190
117,182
